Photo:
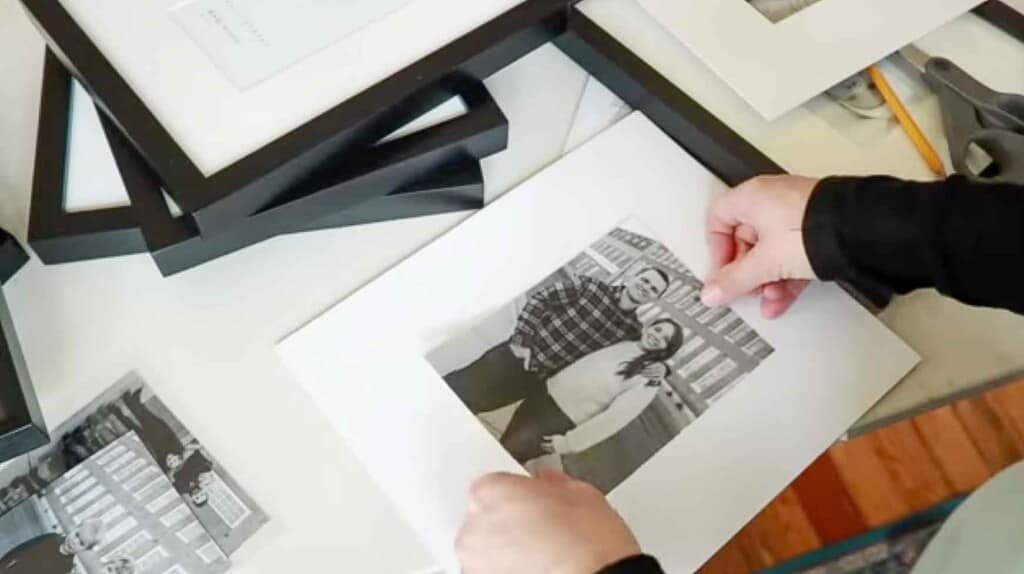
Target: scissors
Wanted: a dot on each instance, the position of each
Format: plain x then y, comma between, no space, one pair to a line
984,128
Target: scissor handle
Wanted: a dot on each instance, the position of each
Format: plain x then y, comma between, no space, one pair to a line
995,109
1006,149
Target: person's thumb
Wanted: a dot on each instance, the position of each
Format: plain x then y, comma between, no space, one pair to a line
742,276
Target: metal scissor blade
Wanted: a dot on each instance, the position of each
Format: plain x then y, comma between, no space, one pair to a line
916,56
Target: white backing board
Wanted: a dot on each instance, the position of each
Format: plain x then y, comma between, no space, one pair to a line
91,180
778,66
363,360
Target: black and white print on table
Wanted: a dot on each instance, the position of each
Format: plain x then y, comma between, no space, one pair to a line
601,364
123,488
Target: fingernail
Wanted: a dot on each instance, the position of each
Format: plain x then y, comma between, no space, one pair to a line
712,295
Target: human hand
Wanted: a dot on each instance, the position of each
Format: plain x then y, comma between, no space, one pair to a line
523,353
755,236
552,523
657,370
555,444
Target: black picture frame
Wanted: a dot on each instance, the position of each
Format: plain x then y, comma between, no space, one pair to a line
1002,16
396,171
58,236
252,183
716,146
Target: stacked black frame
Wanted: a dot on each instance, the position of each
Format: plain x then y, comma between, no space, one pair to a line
393,180
252,183
59,236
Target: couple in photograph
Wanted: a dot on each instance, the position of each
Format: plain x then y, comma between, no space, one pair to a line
580,363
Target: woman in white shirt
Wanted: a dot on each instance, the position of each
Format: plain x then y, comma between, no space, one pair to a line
592,399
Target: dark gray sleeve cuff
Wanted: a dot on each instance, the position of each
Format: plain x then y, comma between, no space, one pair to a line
639,564
822,228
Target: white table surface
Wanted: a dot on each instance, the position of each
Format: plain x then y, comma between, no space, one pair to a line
204,339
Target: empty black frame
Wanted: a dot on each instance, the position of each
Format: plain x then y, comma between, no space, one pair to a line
59,236
177,245
248,185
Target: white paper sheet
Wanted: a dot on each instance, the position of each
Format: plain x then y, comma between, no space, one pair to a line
778,66
251,40
363,361
599,109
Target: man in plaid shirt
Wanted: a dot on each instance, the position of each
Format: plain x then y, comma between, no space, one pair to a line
558,326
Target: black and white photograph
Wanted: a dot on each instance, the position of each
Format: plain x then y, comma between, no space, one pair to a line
601,364
123,488
779,10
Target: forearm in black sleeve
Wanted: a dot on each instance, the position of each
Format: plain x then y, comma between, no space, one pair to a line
639,564
886,236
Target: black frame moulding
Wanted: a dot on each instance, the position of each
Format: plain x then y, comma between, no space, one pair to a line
22,428
420,171
59,236
721,150
254,182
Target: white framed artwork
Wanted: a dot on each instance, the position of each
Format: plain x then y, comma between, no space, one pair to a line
226,78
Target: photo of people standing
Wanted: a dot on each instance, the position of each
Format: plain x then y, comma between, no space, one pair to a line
123,487
601,364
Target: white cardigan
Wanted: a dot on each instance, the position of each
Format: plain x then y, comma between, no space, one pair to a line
599,401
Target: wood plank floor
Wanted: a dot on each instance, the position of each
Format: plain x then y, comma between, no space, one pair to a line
882,477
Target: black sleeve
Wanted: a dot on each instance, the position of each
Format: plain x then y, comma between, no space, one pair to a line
639,564
884,236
